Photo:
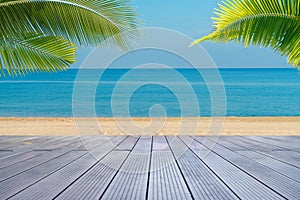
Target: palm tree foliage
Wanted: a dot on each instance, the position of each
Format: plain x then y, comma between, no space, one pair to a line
36,52
41,35
269,23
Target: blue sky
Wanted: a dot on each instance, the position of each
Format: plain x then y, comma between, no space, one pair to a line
193,18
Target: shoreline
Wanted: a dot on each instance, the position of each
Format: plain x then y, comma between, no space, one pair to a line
148,118
56,126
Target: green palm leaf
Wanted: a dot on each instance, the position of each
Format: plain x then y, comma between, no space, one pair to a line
271,23
83,22
35,52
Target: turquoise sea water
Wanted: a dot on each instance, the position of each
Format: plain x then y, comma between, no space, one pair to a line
249,92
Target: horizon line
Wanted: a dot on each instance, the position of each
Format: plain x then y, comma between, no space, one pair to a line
187,68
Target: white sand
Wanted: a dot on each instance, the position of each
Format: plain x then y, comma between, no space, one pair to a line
158,126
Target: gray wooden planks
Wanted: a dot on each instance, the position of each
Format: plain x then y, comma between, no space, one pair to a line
127,144
241,183
13,185
5,153
278,166
25,143
287,143
53,182
166,181
52,185
285,155
99,176
7,142
126,167
21,155
35,146
10,160
25,165
203,183
275,164
100,150
8,139
283,185
93,183
246,143
131,180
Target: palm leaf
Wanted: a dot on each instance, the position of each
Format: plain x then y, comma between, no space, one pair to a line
35,52
84,22
271,23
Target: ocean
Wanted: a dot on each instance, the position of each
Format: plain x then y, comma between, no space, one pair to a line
153,92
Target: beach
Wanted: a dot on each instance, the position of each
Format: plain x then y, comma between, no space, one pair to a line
228,126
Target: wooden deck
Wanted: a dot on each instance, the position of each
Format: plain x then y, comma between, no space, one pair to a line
126,167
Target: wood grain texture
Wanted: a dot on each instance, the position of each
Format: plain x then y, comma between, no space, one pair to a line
149,167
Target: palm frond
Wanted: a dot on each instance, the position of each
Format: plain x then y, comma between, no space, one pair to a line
84,22
35,52
272,23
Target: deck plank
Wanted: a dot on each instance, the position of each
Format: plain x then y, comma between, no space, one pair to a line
278,166
241,183
248,144
283,185
13,185
93,183
91,143
131,180
39,145
52,185
7,141
25,142
10,160
113,143
159,167
166,181
127,144
288,156
283,142
6,153
204,184
20,167
284,168
35,146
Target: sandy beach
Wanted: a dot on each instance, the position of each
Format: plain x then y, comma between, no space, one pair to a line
144,126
